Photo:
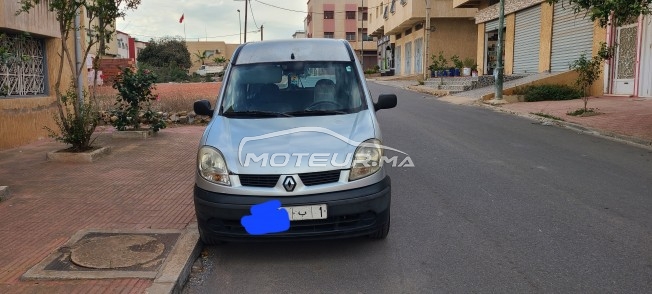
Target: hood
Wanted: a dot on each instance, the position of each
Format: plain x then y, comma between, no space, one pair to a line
290,145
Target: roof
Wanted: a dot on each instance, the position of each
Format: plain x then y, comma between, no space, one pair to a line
294,50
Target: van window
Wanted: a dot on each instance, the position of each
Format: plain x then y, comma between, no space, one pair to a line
293,89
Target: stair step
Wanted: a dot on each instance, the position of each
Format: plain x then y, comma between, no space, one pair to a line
454,87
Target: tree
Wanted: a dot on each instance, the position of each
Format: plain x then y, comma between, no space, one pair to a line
200,57
219,60
76,117
623,10
165,52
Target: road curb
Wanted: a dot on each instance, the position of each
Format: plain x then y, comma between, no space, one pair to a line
176,269
576,127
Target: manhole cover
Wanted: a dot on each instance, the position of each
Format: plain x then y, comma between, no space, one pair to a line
116,251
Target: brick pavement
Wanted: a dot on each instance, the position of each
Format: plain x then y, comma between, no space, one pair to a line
142,184
626,116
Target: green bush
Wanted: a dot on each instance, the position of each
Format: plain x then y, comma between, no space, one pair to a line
166,74
76,123
549,93
133,104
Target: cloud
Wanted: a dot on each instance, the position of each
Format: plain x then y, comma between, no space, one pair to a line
217,19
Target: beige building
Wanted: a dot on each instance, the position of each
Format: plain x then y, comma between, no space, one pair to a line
399,26
27,93
343,19
210,50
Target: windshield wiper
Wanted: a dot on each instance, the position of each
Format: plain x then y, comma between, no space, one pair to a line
317,112
255,113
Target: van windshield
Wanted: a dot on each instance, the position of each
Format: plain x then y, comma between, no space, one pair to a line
287,89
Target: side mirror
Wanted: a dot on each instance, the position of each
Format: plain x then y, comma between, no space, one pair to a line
202,107
385,101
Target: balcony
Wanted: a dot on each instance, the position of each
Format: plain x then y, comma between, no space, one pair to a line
469,3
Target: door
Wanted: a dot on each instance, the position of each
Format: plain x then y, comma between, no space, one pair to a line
408,58
625,62
397,62
572,35
645,77
527,37
418,55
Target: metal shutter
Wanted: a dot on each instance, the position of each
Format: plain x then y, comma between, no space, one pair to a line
418,55
527,37
571,36
491,25
408,58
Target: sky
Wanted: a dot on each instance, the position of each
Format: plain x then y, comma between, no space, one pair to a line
215,19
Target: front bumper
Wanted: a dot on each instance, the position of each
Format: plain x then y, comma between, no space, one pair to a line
351,213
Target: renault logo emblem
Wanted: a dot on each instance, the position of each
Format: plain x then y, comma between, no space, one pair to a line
289,184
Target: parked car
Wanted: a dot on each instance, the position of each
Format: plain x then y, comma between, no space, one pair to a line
205,70
294,123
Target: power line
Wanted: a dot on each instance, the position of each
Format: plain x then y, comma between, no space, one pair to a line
202,37
251,9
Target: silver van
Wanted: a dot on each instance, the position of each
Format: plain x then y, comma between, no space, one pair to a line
293,149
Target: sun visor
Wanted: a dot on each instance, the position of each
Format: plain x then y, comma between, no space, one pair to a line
260,74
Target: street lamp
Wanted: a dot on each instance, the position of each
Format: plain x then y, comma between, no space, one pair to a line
245,27
240,23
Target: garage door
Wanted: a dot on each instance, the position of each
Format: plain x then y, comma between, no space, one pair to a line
571,36
526,40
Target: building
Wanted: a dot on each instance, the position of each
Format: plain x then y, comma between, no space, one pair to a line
299,35
122,45
542,37
343,19
138,46
27,93
399,26
210,50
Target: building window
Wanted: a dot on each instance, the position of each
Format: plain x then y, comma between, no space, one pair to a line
398,36
329,14
403,2
377,14
23,67
418,26
350,15
362,13
365,36
329,35
393,9
350,36
408,31
386,13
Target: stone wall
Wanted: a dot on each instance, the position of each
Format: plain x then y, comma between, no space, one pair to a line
511,6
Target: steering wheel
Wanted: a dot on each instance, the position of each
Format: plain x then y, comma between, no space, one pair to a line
316,105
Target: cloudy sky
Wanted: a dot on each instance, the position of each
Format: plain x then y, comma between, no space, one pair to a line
217,19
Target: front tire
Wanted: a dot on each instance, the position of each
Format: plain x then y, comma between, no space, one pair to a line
208,239
383,231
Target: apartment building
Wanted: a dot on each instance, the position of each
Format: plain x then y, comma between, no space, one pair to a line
544,37
343,19
400,28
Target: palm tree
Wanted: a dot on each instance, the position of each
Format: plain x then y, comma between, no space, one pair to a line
219,60
200,57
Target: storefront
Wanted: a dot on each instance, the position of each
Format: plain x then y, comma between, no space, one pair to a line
629,70
385,56
491,46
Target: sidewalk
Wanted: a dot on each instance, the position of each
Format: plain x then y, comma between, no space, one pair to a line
625,118
622,117
142,184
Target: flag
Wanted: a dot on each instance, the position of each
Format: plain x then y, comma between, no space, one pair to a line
181,19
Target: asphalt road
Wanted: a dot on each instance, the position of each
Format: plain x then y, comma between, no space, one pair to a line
496,203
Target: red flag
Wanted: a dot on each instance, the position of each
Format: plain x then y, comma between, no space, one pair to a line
181,19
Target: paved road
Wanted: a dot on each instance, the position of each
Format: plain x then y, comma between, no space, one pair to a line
495,203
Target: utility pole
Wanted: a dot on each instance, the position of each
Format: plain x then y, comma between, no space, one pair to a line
261,32
499,52
362,35
426,39
245,30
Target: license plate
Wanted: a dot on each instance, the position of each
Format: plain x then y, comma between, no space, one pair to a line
297,213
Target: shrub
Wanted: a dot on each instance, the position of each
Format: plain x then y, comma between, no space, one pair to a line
588,70
76,123
549,93
133,105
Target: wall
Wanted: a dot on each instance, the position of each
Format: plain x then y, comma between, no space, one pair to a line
545,51
22,119
452,36
38,21
201,46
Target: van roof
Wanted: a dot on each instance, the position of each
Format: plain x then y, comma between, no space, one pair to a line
294,50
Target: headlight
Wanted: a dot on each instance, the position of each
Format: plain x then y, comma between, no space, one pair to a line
212,166
366,160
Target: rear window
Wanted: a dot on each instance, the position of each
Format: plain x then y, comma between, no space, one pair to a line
294,88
